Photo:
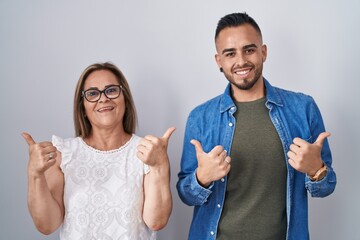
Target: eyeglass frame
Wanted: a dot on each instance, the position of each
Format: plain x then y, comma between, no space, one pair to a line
83,92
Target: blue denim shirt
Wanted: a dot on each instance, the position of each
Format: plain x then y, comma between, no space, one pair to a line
212,123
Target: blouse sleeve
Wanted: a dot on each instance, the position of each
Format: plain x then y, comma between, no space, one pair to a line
62,147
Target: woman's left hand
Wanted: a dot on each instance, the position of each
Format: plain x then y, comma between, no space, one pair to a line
153,150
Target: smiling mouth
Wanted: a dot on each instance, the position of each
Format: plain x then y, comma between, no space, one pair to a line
105,109
242,73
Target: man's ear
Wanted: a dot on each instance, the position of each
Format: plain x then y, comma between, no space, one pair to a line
217,59
264,52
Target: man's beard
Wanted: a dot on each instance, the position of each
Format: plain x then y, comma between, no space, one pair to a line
246,83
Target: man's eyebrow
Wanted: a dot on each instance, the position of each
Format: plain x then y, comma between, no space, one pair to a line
228,50
249,46
244,48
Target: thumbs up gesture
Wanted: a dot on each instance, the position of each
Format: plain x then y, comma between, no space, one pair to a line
306,157
211,166
153,150
41,155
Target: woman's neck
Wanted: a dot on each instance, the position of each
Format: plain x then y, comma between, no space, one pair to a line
107,140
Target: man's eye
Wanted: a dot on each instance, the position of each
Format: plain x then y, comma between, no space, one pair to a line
230,54
249,51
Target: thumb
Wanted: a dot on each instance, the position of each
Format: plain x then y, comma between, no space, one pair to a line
198,147
321,138
30,141
168,133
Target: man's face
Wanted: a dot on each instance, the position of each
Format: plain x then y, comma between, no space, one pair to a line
241,54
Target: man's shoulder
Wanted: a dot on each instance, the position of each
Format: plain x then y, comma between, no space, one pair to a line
211,104
287,95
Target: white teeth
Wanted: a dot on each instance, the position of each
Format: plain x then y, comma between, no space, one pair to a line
242,72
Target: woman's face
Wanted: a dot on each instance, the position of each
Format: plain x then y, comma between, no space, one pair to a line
105,113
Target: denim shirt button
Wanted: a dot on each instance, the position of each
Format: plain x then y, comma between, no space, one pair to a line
218,205
212,232
223,180
230,124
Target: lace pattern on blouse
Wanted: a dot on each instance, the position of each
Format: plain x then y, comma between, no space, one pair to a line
103,192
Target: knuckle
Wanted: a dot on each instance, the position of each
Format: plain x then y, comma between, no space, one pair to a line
219,148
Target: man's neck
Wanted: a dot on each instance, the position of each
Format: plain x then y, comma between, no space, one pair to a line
255,93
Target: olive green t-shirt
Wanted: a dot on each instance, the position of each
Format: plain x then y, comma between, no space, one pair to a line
255,200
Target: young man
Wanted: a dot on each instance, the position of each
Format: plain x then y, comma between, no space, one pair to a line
251,154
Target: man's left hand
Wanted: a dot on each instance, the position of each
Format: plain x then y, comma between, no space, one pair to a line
306,157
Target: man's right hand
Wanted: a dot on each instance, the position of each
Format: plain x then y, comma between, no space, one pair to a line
213,165
41,155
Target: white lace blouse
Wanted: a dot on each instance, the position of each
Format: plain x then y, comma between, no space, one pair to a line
103,193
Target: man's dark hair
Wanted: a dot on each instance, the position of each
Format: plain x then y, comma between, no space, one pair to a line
235,20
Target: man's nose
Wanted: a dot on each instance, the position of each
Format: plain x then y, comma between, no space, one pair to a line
241,59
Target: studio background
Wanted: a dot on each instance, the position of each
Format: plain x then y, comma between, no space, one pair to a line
166,51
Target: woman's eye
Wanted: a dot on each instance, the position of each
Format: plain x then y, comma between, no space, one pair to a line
111,90
92,93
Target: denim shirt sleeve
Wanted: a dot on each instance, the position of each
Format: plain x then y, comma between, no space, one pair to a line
190,191
327,185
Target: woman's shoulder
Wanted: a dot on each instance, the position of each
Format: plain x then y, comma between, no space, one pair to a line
61,143
134,140
66,146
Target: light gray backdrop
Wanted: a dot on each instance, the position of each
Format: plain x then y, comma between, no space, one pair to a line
166,50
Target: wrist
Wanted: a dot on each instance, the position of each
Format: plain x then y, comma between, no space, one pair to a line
319,174
160,165
201,181
32,174
316,168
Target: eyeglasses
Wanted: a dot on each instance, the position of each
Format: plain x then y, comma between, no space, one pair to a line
93,94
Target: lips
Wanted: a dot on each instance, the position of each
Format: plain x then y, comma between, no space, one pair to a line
242,72
105,109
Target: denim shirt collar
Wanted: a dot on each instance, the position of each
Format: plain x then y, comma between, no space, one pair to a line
226,101
272,96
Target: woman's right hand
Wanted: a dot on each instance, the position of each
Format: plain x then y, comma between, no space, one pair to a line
42,155
45,186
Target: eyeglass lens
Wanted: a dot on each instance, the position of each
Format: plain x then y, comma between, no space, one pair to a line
111,92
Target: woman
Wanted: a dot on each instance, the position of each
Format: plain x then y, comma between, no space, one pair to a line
106,183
